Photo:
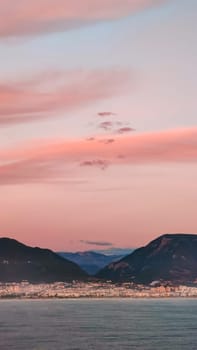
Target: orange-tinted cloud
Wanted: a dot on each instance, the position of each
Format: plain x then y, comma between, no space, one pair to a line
22,17
40,97
170,145
44,160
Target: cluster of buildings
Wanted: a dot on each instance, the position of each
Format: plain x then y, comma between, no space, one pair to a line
93,290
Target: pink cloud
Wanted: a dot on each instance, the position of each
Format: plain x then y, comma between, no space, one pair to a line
25,171
22,17
41,97
36,171
51,159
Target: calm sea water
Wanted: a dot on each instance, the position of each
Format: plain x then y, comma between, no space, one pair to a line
117,324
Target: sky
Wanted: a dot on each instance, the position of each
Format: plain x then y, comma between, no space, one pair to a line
98,124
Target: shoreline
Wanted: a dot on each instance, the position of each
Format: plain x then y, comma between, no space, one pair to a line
99,298
92,290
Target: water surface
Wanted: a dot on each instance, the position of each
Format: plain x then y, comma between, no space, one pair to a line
89,324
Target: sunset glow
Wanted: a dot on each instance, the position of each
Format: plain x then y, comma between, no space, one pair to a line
98,125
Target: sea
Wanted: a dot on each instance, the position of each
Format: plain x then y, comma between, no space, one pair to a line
98,324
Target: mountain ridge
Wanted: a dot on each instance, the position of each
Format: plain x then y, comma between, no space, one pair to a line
170,257
20,262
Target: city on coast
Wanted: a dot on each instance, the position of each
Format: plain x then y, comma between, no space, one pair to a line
26,290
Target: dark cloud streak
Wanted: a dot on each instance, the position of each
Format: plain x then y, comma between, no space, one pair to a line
102,244
98,163
125,130
106,114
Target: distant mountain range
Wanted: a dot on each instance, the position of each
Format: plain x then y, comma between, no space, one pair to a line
90,261
19,262
171,257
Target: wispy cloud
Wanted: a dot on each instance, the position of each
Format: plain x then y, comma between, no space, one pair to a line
26,18
42,96
42,161
107,141
106,114
98,243
107,125
36,171
91,139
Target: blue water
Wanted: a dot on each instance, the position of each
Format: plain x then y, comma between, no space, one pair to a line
164,324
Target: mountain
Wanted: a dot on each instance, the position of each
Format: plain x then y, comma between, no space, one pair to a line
90,261
171,257
19,262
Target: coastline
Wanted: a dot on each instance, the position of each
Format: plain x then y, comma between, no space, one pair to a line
97,298
93,290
